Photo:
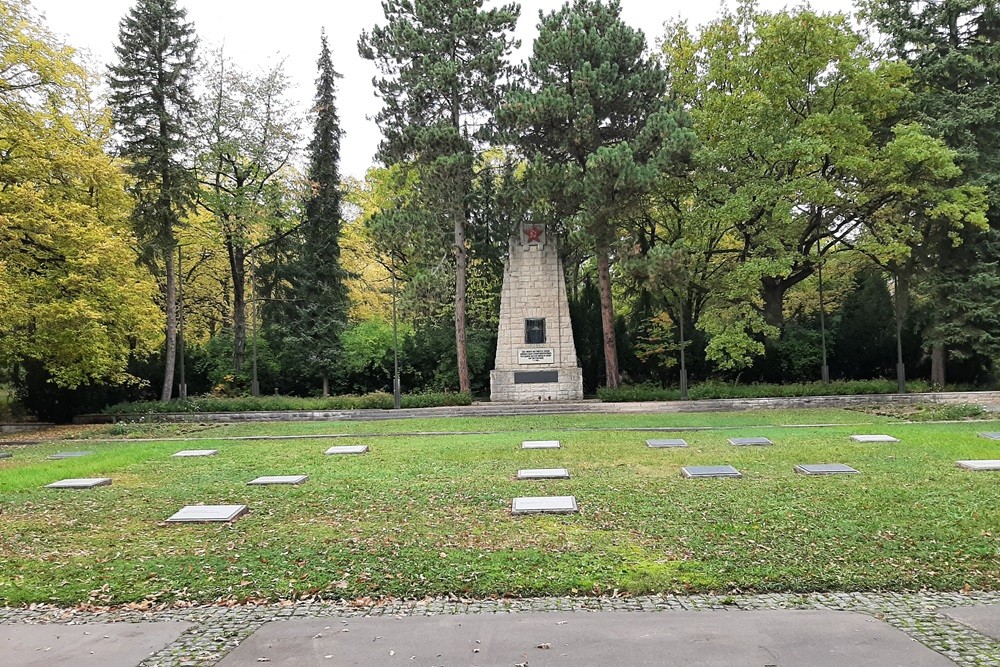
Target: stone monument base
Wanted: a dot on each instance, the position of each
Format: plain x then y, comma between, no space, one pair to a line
531,386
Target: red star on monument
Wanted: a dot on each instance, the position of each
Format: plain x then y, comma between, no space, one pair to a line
534,234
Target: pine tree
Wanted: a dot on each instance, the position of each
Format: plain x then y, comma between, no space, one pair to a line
592,114
441,61
317,302
152,103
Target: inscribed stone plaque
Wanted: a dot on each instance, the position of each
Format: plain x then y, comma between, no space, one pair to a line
675,442
79,483
535,377
197,513
746,442
536,355
197,452
6,455
824,469
278,479
543,473
981,464
540,444
68,455
544,505
710,471
992,435
874,438
348,449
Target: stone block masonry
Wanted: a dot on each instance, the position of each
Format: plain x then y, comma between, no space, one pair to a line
536,355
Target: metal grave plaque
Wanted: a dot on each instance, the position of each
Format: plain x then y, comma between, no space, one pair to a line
825,469
710,471
196,452
543,473
544,505
535,377
749,442
80,483
348,449
874,438
540,444
991,435
981,464
206,513
669,442
536,355
278,479
68,455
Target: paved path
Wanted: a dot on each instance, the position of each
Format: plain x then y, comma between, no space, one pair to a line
782,630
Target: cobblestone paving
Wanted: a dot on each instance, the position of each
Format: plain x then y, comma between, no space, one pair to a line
217,630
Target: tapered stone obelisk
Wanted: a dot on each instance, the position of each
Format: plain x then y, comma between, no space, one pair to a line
536,357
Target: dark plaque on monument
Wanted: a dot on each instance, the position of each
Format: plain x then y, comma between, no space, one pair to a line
535,377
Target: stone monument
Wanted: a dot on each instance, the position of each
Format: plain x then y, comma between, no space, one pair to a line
536,357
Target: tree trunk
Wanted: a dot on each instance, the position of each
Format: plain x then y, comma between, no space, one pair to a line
461,272
607,316
171,308
773,294
326,385
938,357
239,308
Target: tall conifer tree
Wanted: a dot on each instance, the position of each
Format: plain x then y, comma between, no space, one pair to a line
152,103
317,308
441,61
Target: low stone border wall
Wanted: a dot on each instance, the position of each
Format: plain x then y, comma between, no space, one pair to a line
988,399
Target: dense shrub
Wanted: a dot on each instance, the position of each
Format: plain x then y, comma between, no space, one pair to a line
722,390
377,400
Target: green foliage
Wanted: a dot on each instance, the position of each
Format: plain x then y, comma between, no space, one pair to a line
714,389
373,401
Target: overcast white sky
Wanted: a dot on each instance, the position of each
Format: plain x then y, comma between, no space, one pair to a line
256,33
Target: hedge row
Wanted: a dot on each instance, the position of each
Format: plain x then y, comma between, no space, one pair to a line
378,400
722,390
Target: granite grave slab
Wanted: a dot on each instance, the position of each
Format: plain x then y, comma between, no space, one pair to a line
825,469
540,444
984,619
992,435
278,479
196,452
544,505
207,513
80,483
710,471
347,449
543,473
750,442
669,442
6,455
981,464
68,455
718,638
85,644
874,438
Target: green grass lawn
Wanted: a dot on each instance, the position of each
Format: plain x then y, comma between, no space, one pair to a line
430,514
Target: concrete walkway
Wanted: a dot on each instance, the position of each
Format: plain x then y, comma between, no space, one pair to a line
781,630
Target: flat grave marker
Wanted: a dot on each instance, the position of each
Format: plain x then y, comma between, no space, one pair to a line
750,442
6,455
544,505
992,435
540,444
669,442
347,449
278,479
80,483
68,455
543,473
825,469
692,472
874,438
207,513
981,464
196,452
